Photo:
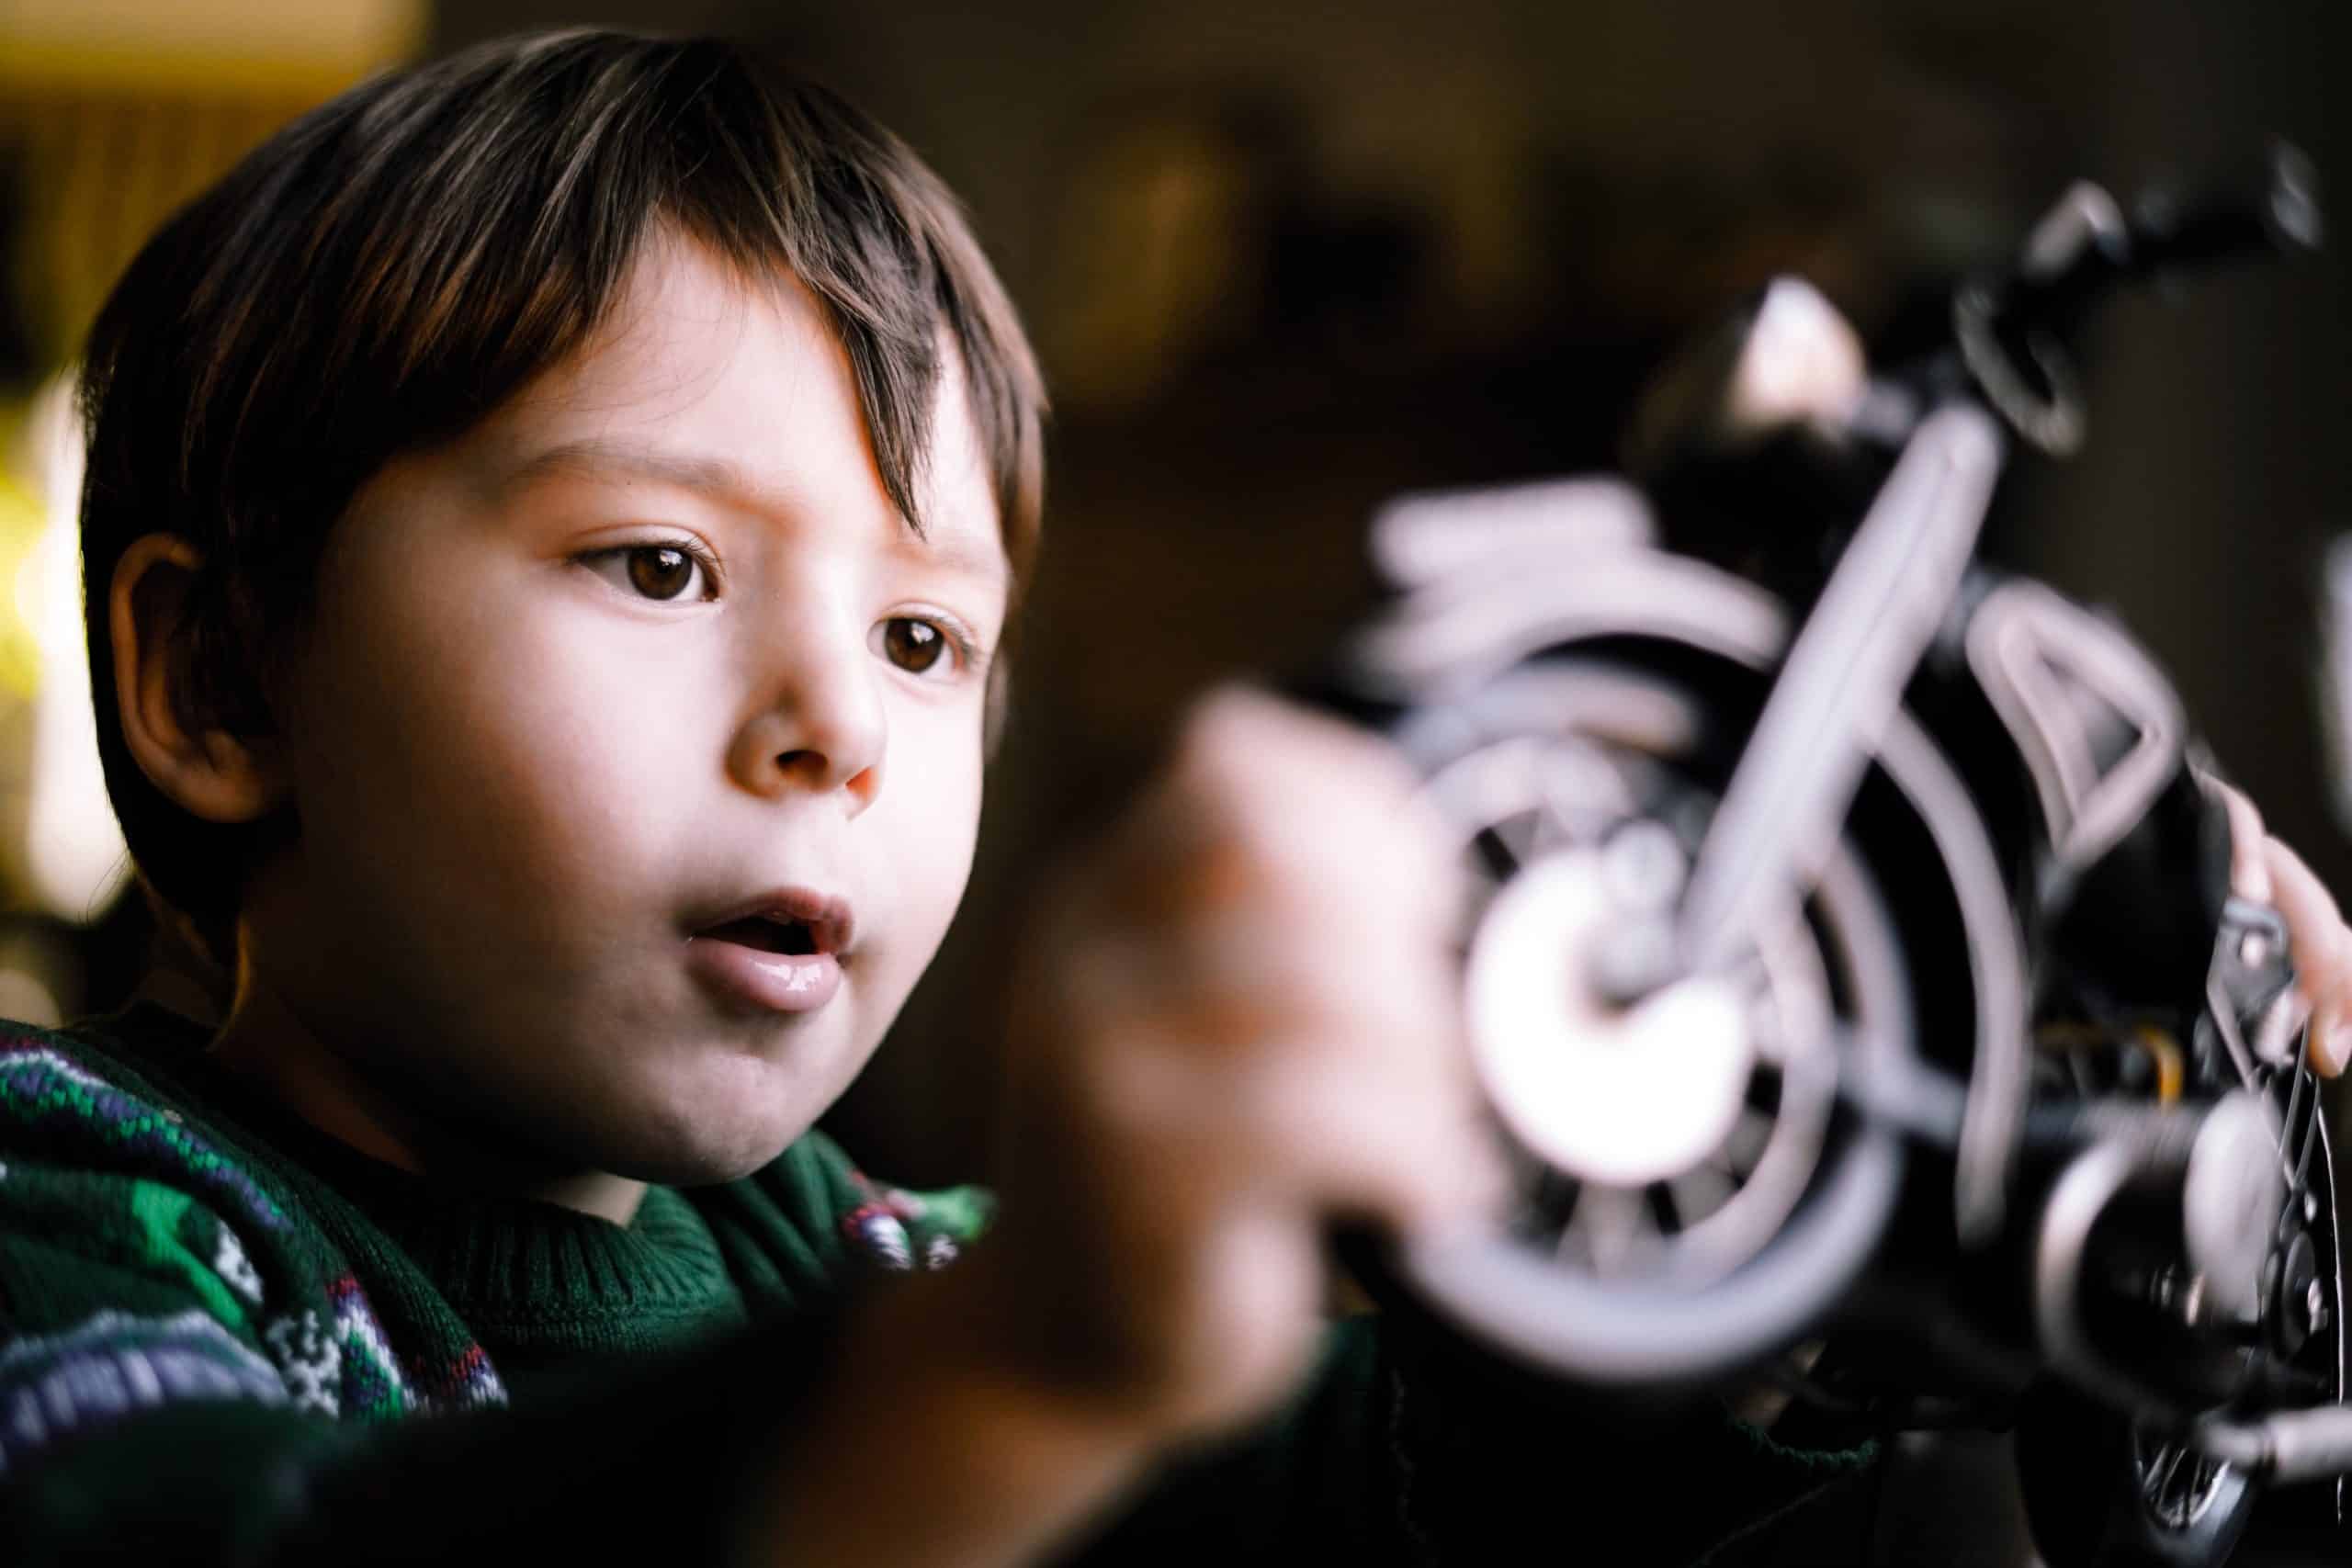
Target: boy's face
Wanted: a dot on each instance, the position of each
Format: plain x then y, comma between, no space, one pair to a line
643,657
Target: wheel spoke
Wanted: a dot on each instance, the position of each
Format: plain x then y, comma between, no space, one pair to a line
1698,1192
2295,1137
1569,786
1607,1227
1744,1143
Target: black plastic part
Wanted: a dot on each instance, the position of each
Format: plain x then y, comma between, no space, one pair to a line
2084,1496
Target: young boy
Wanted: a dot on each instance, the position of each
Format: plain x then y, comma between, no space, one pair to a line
553,522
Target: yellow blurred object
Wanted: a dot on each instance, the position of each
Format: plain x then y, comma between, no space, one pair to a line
71,860
2171,1064
306,46
23,517
114,112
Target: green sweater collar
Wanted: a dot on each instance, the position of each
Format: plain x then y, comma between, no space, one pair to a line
525,1275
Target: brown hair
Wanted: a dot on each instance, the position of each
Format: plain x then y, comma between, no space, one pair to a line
384,272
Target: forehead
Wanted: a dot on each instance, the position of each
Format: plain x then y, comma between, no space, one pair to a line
708,379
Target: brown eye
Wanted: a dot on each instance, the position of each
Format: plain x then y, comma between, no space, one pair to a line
912,645
659,571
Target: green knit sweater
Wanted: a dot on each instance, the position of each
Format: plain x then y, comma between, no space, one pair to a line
225,1338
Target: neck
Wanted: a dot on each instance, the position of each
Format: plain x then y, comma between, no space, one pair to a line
266,1043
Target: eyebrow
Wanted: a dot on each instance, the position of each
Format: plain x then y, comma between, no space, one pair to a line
597,457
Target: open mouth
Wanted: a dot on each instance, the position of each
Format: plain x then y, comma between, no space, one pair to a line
792,922
769,933
786,951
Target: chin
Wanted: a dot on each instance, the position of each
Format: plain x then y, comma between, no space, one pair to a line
700,1161
699,1139
687,1171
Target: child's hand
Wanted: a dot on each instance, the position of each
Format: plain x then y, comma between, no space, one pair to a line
2263,869
1239,1028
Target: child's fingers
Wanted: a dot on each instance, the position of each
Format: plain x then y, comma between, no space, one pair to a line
1410,1155
2249,869
1250,1006
1324,1058
2322,949
2267,870
1317,808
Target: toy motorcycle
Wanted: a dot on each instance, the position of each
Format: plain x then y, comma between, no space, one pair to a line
1852,957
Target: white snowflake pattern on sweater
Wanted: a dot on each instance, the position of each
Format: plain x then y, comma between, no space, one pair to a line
228,1262
308,1359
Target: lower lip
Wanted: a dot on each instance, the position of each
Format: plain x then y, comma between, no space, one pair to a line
780,982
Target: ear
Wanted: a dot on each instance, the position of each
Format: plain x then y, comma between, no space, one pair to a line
207,770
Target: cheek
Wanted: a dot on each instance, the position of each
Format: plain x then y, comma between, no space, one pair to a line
507,769
928,819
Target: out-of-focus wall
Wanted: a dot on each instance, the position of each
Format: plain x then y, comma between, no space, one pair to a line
112,113
1284,259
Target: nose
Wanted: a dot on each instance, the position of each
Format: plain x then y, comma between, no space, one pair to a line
822,730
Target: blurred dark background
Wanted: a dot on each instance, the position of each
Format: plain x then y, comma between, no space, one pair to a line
1285,260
